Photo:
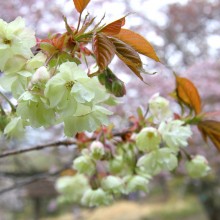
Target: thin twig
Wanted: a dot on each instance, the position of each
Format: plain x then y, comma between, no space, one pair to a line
9,102
31,180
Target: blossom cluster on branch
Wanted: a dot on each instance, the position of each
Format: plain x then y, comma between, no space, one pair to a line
51,87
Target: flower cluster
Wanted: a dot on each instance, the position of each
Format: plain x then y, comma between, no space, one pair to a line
128,167
46,95
51,88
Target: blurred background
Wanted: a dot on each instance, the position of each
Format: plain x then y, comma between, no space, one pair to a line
186,37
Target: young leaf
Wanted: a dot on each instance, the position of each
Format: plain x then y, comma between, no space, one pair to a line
211,129
80,5
139,43
128,55
103,49
114,27
188,94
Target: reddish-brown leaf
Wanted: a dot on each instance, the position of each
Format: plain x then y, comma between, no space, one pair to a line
103,49
139,43
128,55
114,27
188,94
80,5
211,129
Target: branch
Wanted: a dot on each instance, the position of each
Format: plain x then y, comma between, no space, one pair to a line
54,144
31,180
38,147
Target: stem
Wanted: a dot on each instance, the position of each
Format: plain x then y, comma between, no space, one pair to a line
13,109
49,59
79,21
2,110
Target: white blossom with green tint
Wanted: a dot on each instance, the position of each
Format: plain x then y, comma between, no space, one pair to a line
16,83
15,40
86,119
159,108
34,109
157,161
72,188
15,128
84,165
96,197
113,184
175,134
197,167
148,139
135,183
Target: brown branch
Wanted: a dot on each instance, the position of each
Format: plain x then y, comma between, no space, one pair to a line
38,147
54,144
32,179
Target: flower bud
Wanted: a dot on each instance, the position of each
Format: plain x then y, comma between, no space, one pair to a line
41,75
97,150
112,184
148,139
102,78
197,167
84,164
96,197
118,88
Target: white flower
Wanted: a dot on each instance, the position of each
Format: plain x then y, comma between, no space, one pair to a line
158,160
116,165
159,108
97,149
86,119
96,197
16,83
197,167
15,39
135,183
34,109
72,188
175,133
148,139
77,98
112,184
15,128
36,62
84,164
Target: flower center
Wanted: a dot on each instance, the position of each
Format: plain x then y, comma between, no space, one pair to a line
69,85
150,135
6,41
